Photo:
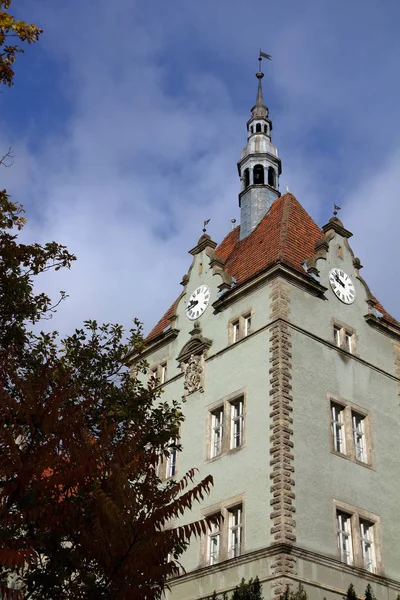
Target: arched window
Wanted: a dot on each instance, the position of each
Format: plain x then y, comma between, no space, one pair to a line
251,129
258,174
258,128
246,176
265,128
271,177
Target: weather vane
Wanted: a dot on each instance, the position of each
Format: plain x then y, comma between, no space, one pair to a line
335,209
263,55
205,225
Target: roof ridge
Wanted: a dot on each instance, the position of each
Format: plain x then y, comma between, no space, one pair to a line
287,199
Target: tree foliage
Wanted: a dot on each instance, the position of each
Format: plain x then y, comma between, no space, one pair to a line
83,513
12,32
248,591
298,594
351,593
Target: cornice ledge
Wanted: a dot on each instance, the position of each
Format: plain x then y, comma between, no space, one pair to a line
163,338
247,557
204,242
337,226
383,325
295,551
276,270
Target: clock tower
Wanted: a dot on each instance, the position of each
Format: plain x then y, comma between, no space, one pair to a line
289,368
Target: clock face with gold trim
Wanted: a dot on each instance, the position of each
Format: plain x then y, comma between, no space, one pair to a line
198,302
342,285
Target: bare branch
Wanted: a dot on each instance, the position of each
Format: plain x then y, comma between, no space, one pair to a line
7,159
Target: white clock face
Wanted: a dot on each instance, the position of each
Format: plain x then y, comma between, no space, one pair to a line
198,302
342,285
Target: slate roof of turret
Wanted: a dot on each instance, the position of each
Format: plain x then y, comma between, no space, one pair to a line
287,234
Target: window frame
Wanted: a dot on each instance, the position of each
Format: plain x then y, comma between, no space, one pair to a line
221,521
344,337
214,533
231,412
215,414
159,372
235,531
349,452
240,327
345,538
357,519
237,419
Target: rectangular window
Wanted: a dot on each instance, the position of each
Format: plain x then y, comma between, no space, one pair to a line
348,341
343,338
367,545
359,437
247,325
235,332
336,335
171,463
213,544
236,424
217,426
345,543
235,531
163,373
338,429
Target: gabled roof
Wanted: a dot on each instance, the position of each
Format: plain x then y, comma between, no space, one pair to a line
287,234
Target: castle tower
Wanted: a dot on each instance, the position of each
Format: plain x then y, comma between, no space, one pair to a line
290,371
259,166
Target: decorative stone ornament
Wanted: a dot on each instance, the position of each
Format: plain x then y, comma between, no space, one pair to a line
194,374
191,360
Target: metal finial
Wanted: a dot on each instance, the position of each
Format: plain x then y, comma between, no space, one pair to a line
233,221
205,225
287,188
335,209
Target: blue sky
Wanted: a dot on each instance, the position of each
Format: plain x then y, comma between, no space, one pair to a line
127,120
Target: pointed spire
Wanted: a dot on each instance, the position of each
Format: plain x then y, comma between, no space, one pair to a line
259,110
259,75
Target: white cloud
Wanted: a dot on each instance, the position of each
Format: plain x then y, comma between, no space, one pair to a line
159,100
374,209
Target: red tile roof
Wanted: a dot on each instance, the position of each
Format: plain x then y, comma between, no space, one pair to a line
287,234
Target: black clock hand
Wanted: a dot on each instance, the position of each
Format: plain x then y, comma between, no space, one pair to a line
193,303
338,280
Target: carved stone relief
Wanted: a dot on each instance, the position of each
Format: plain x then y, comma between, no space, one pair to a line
194,374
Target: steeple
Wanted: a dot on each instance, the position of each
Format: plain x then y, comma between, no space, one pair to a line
259,167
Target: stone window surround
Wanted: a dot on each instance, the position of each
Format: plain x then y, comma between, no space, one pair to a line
349,408
356,513
225,402
222,508
241,319
344,328
156,370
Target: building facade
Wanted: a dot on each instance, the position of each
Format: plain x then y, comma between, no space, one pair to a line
290,372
